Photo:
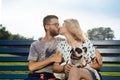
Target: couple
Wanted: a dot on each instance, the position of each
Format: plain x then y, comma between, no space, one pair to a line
47,53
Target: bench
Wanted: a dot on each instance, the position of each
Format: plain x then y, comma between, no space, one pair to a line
16,52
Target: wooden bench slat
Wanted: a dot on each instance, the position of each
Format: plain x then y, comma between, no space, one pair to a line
25,67
109,51
107,59
13,59
110,69
14,68
14,50
106,42
111,77
15,42
26,50
13,76
110,59
23,76
28,42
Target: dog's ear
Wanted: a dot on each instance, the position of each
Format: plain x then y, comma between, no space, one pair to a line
85,49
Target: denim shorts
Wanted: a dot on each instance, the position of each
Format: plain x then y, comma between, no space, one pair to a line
93,75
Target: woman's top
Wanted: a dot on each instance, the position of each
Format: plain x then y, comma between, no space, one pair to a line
65,49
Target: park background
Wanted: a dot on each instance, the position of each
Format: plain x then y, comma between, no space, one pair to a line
25,17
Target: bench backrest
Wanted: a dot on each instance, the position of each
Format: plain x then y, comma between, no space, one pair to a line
109,49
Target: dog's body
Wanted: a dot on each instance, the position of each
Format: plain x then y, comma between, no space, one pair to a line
78,59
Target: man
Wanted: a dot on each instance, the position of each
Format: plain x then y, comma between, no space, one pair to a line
41,55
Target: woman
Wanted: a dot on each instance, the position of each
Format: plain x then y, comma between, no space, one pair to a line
76,38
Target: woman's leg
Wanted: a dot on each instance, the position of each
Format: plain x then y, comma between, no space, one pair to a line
79,73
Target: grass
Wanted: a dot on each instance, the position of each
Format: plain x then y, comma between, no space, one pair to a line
7,54
108,64
14,72
13,63
110,73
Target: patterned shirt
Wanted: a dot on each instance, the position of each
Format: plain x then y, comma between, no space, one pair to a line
65,49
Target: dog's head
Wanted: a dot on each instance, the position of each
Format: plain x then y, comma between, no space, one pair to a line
77,56
77,53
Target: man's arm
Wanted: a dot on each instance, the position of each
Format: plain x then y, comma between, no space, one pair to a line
97,61
56,66
34,65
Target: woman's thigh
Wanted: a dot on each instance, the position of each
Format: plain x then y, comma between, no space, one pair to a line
79,73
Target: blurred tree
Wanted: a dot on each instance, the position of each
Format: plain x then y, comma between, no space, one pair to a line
100,33
6,35
3,33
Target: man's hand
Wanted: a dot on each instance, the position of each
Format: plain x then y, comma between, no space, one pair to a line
57,57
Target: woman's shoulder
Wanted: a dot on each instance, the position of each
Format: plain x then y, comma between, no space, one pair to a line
87,41
59,39
62,42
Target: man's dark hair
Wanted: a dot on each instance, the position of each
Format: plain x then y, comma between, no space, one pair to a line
47,19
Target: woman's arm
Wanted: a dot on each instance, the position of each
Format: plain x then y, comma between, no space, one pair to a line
97,61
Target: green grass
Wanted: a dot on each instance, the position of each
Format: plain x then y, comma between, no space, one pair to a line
108,64
13,63
14,72
7,54
110,73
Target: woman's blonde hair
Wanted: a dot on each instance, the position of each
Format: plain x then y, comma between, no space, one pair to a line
73,27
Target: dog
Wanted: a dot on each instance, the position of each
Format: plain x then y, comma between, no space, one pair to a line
78,59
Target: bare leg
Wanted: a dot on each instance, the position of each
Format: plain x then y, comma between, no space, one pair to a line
79,74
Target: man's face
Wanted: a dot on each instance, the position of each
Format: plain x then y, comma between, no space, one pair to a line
54,27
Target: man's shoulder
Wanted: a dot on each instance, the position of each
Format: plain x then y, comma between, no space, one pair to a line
35,42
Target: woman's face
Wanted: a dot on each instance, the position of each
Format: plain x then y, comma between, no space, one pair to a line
62,29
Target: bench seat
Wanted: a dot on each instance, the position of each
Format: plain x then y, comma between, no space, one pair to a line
16,51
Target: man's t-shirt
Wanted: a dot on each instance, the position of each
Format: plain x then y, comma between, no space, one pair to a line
40,50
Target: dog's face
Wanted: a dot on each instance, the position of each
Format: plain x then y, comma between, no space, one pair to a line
77,57
77,53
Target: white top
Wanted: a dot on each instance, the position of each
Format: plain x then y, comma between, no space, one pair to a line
65,49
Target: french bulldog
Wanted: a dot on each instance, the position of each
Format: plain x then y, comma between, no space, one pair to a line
78,59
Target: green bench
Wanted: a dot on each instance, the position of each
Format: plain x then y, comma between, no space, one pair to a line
13,58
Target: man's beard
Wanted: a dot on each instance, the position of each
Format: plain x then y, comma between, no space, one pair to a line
53,33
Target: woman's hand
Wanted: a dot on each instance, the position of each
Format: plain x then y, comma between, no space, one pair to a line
97,61
67,68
